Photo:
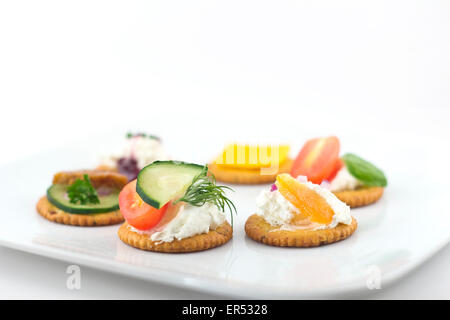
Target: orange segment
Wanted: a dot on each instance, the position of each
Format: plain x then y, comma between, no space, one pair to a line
310,204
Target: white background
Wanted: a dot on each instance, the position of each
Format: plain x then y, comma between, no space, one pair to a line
215,71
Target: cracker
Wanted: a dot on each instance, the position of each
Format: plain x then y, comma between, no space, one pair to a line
98,178
247,176
104,167
360,197
54,214
199,242
259,230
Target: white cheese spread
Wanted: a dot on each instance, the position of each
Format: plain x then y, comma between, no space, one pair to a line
144,150
188,222
278,211
344,181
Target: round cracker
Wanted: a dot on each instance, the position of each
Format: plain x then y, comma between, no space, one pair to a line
360,197
98,178
199,242
104,167
54,214
259,230
247,176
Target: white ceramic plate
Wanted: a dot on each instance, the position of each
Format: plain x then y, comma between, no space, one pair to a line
407,226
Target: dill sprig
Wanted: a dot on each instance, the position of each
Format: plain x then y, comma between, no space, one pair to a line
203,189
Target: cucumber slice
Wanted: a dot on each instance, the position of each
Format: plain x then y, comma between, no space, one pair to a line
57,196
162,181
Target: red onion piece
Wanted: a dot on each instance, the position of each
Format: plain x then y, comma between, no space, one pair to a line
104,191
326,184
128,167
273,187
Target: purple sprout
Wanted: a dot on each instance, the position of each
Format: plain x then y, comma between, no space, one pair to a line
128,167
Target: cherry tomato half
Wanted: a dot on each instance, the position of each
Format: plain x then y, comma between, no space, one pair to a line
337,166
318,159
139,214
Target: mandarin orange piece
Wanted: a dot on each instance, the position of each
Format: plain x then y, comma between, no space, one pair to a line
310,204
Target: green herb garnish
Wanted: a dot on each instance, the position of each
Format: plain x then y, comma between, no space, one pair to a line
143,135
204,189
364,171
82,191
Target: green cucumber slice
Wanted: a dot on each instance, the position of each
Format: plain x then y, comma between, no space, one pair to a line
56,194
162,181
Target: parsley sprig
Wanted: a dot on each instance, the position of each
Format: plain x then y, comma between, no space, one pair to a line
204,189
82,191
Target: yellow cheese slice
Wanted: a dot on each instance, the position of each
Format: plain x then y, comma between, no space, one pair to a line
244,156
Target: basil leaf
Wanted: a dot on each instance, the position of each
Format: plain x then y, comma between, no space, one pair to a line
364,171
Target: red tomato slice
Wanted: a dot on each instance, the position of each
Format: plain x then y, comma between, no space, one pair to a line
139,214
317,159
171,212
337,166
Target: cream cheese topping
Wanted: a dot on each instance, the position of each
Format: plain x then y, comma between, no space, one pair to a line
344,181
145,150
188,222
278,211
191,221
274,208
